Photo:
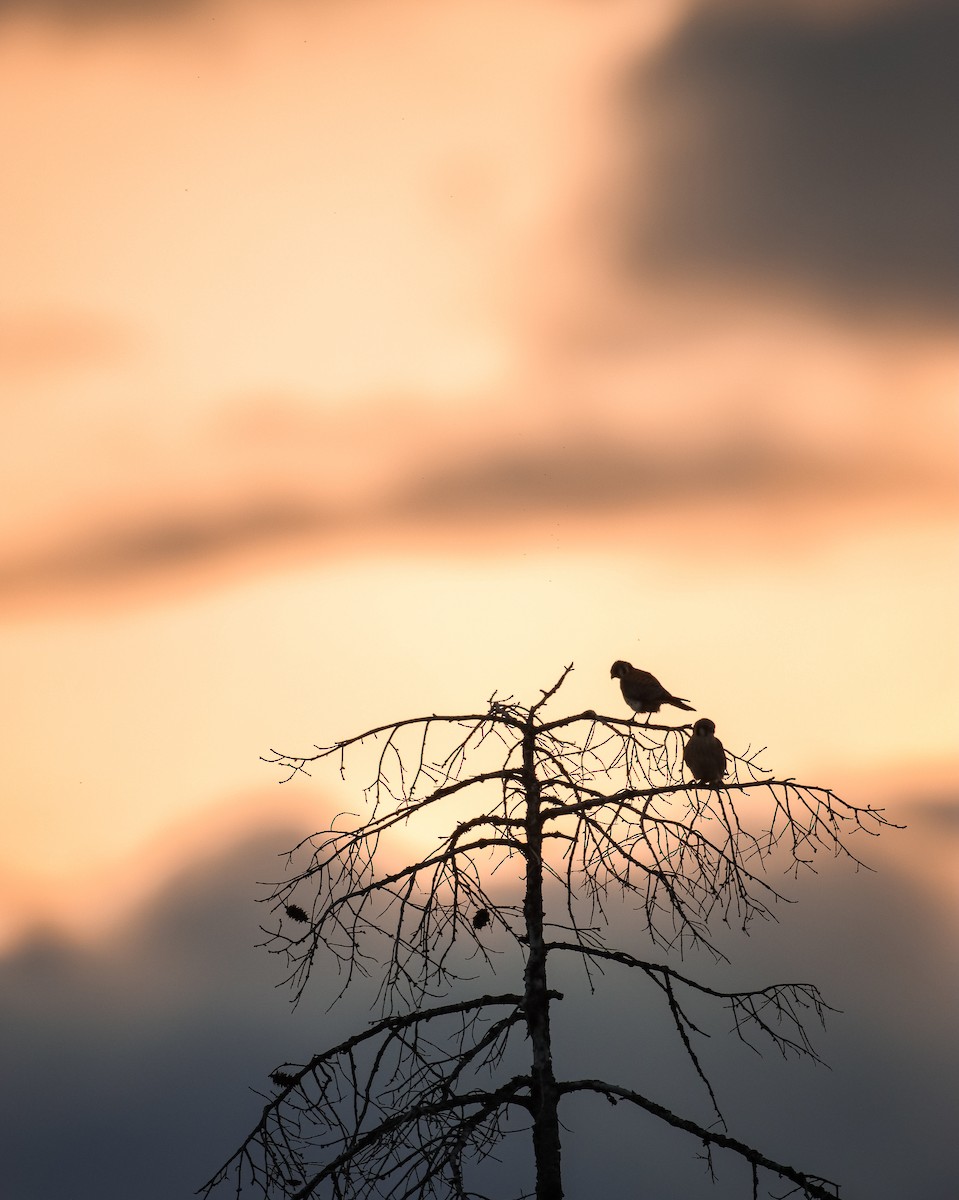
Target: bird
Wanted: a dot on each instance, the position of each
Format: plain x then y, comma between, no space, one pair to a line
643,692
704,753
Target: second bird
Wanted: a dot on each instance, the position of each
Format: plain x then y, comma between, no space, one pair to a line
704,753
643,692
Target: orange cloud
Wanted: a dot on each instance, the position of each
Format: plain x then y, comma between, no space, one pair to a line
38,343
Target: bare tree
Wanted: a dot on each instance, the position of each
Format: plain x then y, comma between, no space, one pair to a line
568,815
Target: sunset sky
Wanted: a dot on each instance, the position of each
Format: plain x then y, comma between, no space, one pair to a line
361,359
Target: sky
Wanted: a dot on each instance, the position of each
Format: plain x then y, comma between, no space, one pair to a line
359,360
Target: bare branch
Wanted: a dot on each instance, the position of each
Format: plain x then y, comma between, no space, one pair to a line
813,1186
777,1010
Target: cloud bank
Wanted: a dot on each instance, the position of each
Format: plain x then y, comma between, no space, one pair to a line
127,1063
812,151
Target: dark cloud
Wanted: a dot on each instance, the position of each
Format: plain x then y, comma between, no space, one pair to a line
159,544
593,474
92,12
585,475
938,812
817,152
127,1065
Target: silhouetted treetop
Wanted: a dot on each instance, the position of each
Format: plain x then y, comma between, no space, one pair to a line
551,823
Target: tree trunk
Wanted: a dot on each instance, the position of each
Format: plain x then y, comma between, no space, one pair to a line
543,1096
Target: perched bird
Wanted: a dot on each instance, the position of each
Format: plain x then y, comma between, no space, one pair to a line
643,692
704,753
481,918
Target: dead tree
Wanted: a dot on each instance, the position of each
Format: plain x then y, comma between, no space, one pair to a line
556,817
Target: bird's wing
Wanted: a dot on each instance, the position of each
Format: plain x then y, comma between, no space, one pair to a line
644,677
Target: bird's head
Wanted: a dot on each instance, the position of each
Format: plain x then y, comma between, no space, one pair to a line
704,727
620,669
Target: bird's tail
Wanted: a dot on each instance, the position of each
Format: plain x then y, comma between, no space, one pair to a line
683,704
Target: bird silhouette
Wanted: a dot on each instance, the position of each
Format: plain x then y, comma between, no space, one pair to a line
704,753
643,692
